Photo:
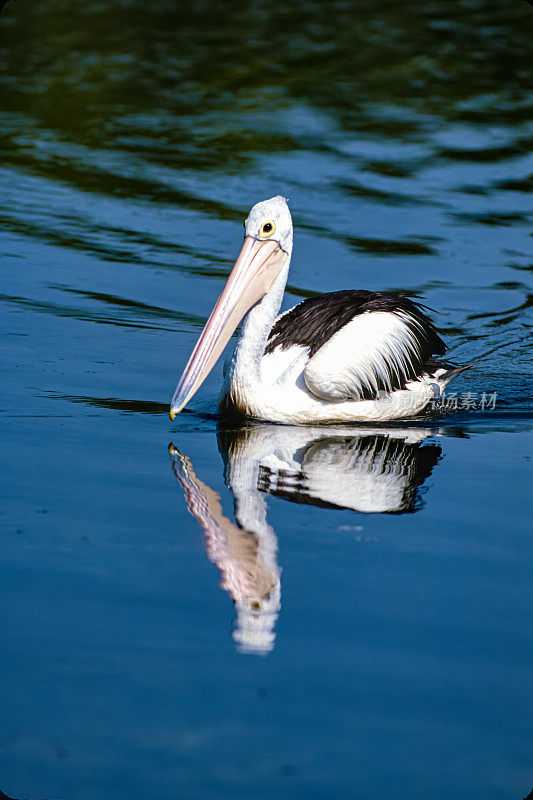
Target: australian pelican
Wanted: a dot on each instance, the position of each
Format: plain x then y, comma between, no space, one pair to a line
352,355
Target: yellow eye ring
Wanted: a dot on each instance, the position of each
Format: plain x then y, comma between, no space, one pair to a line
245,223
267,229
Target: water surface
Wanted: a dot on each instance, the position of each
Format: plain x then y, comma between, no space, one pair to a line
264,611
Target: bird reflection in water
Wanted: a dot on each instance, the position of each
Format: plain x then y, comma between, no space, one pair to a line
245,553
362,469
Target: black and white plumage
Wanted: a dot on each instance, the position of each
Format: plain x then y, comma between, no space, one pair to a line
391,341
342,356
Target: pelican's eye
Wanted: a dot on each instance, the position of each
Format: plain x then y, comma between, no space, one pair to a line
245,223
267,229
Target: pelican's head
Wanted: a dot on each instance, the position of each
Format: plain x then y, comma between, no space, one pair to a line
266,250
270,220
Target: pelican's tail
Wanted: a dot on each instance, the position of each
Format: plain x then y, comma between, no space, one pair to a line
444,372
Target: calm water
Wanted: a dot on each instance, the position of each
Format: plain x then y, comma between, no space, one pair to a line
266,611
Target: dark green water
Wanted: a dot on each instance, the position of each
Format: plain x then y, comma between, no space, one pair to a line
379,646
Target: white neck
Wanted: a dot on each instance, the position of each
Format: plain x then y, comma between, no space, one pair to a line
245,369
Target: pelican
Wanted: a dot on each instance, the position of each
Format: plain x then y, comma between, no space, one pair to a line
344,356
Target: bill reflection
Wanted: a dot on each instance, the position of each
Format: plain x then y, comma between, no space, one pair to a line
362,469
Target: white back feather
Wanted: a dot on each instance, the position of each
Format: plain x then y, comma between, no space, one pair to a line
362,357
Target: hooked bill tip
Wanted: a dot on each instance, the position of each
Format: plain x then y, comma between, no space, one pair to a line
172,414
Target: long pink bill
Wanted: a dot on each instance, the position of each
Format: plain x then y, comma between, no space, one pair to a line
256,268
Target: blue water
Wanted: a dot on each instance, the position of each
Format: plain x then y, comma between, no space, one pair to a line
351,617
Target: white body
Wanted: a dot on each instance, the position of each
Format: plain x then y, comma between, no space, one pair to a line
290,387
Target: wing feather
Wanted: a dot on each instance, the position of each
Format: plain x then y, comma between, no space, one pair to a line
376,351
359,343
